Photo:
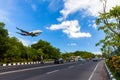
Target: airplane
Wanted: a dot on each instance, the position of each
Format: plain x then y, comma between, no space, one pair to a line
26,33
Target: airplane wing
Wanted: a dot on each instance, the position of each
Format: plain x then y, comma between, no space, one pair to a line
26,33
22,30
22,33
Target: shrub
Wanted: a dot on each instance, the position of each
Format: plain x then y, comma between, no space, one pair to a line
115,64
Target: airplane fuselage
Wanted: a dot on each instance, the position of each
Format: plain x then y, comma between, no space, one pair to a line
32,33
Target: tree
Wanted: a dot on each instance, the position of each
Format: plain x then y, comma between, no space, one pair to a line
3,39
83,54
15,50
32,54
48,50
109,22
40,52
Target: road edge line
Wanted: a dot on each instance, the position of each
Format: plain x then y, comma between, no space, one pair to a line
93,72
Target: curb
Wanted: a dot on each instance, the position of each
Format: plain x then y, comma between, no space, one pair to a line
23,63
109,73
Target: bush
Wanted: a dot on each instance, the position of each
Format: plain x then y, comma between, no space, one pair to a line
115,64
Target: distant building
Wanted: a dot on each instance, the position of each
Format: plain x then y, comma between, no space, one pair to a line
75,58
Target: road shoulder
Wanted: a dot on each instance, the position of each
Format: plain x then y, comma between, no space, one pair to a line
100,72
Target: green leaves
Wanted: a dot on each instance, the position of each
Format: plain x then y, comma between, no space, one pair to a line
83,54
2,25
3,39
48,50
115,12
109,22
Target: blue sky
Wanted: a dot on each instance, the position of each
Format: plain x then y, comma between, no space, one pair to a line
67,24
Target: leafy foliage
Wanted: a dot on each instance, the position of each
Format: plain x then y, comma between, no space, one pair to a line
83,54
48,50
115,64
109,22
3,39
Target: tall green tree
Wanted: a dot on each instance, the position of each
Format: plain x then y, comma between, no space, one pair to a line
109,22
3,39
32,54
40,55
15,50
48,50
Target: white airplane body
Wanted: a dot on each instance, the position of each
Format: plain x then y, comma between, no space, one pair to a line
26,33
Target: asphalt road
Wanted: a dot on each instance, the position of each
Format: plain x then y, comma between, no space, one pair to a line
66,71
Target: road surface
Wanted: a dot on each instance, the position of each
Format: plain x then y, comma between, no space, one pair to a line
66,71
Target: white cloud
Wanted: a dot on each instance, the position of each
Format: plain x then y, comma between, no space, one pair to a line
92,24
11,34
71,44
91,7
25,42
34,42
71,28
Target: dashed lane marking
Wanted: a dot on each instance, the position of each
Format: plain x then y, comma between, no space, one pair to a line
52,72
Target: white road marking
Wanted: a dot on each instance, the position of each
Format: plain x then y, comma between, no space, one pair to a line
31,69
52,72
93,72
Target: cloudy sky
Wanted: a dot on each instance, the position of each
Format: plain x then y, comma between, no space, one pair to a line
67,24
